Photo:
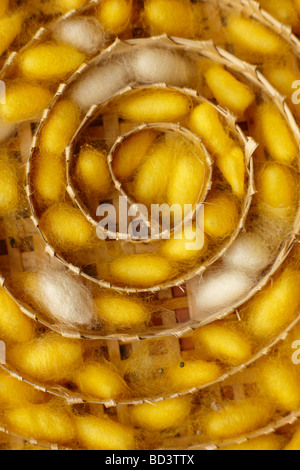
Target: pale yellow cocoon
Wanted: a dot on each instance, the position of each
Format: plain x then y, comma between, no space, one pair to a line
115,15
220,216
277,186
49,178
10,28
271,442
220,341
275,134
140,270
24,101
121,311
232,167
9,194
50,61
191,245
92,173
275,306
14,392
48,358
156,105
162,415
3,7
229,92
294,443
192,374
173,17
285,12
66,5
14,325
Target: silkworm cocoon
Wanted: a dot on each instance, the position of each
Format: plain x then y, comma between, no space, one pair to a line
115,15
49,358
4,7
232,166
281,77
190,374
220,216
271,442
275,307
92,172
49,178
121,311
66,227
131,153
163,17
285,11
6,131
14,325
10,28
221,341
277,186
229,92
15,392
188,247
100,381
24,101
205,122
84,34
67,5
104,434
249,253
162,415
42,422
280,381
157,105
60,127
275,134
294,443
9,194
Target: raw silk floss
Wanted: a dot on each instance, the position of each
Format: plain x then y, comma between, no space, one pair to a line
157,121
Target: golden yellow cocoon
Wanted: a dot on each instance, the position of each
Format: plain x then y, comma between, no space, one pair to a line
271,442
14,325
162,415
42,422
229,92
24,101
140,270
285,12
9,194
294,443
104,434
232,167
275,134
157,105
191,244
66,5
277,186
66,227
275,306
49,177
131,153
281,77
173,17
92,172
99,381
220,341
13,392
47,358
10,28
115,15
60,127
3,7
190,374
220,216
121,311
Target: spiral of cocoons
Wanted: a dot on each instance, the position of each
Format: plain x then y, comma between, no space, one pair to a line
220,216
285,12
14,325
49,178
13,392
277,186
10,28
160,105
115,15
249,253
24,101
9,195
121,311
49,358
163,415
163,16
66,5
84,34
191,244
192,374
104,434
92,173
140,270
265,443
223,342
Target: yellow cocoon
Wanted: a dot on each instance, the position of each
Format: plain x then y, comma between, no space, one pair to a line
232,167
229,92
60,127
140,270
66,227
9,194
121,311
49,177
157,105
275,134
294,443
281,77
24,101
43,423
14,392
50,61
275,307
4,7
271,442
99,381
10,28
115,15
163,415
92,172
131,153
192,374
277,186
47,358
188,248
104,434
220,216
173,17
66,5
14,325
220,341
285,12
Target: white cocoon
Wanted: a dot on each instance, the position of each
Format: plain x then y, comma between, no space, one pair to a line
249,253
85,34
6,131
